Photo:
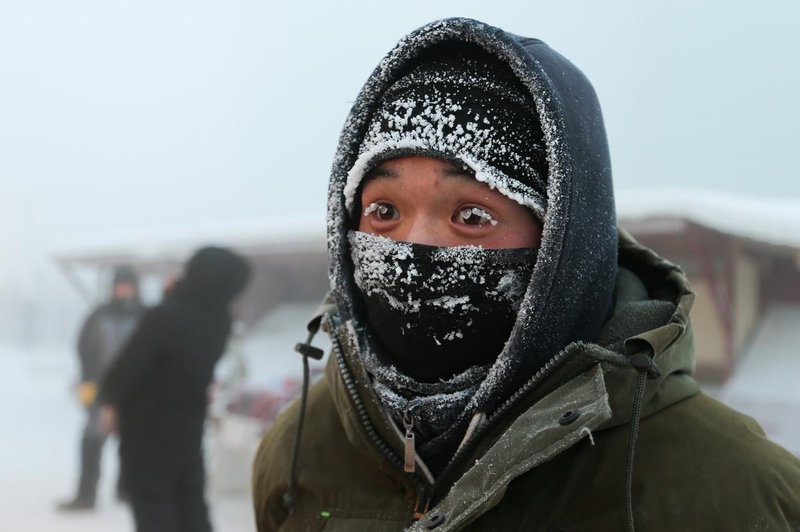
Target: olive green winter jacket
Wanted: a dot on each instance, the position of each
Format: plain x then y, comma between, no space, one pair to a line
555,457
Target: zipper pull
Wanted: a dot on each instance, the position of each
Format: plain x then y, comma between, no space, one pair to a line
408,422
422,505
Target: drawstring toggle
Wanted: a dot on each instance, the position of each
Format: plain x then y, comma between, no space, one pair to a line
308,350
645,364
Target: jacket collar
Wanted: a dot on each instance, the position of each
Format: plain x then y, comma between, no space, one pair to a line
593,380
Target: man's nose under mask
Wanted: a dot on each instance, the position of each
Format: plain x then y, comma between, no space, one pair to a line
437,311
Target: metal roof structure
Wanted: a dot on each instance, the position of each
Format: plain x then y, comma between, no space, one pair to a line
771,221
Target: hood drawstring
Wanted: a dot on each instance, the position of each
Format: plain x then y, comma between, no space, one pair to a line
647,368
306,350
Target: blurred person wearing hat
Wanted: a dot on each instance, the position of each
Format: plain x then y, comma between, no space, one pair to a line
155,393
102,335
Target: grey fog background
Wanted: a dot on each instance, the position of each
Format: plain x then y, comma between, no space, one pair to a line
122,116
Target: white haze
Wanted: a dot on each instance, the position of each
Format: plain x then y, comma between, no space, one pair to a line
143,115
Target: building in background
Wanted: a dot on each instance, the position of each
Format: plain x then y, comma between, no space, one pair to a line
742,257
288,258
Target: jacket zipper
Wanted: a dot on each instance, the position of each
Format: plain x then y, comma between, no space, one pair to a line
408,442
361,410
423,493
363,417
543,372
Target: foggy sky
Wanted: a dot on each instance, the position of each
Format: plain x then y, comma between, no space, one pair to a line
120,115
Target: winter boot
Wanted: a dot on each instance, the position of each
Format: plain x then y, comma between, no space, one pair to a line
76,505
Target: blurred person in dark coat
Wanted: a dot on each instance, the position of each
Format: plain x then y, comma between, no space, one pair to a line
155,394
100,339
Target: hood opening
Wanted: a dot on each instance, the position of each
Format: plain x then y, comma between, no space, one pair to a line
570,293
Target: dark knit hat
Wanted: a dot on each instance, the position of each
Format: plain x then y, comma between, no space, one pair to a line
125,274
466,107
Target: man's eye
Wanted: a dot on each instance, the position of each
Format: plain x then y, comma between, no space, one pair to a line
383,211
475,216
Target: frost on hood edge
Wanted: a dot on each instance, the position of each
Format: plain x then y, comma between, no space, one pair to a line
568,297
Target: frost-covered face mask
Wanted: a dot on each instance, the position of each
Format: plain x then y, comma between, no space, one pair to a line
437,311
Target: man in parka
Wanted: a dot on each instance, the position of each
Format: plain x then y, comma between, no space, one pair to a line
156,392
100,339
503,357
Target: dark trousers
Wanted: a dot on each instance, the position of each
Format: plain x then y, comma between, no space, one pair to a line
168,497
92,441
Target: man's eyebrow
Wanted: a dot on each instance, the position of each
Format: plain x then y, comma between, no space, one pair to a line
385,172
458,170
380,171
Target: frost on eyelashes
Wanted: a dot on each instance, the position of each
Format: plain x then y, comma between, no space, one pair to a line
376,207
482,216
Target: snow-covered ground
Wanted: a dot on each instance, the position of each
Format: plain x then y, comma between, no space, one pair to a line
39,452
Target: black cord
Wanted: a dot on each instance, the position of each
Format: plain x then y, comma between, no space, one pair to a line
633,435
647,369
305,350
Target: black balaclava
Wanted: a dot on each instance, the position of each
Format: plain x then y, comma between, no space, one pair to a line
569,295
435,312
